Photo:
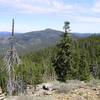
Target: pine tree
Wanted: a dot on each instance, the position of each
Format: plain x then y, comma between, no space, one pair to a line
76,58
84,71
63,59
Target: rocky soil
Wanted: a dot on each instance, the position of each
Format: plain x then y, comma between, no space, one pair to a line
71,90
82,93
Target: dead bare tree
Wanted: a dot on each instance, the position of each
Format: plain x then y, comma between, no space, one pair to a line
11,59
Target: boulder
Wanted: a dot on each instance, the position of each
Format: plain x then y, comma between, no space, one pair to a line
2,96
44,89
29,89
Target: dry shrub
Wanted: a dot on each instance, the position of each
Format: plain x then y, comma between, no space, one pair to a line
69,86
34,98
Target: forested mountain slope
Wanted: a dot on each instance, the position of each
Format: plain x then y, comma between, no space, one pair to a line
92,47
37,65
34,40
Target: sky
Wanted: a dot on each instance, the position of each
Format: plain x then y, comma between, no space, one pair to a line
33,15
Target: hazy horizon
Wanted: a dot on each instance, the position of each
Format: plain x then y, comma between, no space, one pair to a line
50,29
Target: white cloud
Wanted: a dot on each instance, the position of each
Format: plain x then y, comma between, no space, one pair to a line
5,26
96,7
44,1
88,19
35,6
18,27
61,5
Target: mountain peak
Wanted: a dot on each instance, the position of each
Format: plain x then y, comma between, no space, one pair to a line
49,29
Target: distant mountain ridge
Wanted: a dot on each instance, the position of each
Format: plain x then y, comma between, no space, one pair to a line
5,34
34,40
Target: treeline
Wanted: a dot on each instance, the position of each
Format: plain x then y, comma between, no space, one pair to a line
70,59
91,46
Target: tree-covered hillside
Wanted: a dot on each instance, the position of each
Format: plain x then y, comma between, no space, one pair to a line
26,42
92,47
37,66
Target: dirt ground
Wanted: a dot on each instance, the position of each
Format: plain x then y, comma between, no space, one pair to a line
87,92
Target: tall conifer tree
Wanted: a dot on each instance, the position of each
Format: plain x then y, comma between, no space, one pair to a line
84,71
63,59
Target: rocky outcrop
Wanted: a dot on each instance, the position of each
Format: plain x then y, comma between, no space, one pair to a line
71,90
53,87
42,89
